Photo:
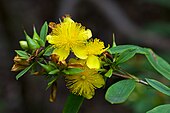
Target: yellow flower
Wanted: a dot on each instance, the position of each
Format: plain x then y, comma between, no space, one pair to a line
84,83
67,35
90,51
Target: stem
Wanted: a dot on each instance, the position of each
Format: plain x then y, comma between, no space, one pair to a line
143,82
131,77
120,75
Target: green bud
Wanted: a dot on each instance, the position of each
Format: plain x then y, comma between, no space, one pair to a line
24,45
47,68
32,44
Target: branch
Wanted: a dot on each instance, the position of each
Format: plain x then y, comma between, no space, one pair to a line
129,77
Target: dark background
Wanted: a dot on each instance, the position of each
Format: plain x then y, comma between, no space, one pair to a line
139,22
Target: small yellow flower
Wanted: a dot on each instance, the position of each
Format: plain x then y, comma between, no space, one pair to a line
67,35
90,51
84,83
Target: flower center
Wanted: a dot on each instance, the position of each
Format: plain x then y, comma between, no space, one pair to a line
83,77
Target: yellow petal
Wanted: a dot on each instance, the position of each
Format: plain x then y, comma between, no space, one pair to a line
62,53
80,52
88,33
48,37
99,81
93,62
68,19
88,96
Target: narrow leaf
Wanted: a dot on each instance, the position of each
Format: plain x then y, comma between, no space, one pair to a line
47,67
73,103
32,44
35,35
160,109
54,72
24,71
120,91
43,32
22,54
48,51
109,73
72,71
159,86
51,81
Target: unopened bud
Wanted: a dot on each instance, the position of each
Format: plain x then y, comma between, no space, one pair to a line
17,67
20,61
23,45
53,92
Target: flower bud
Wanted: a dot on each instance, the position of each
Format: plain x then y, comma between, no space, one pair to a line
23,45
53,92
17,60
17,67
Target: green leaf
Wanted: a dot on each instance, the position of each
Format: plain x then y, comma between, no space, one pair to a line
72,71
37,38
47,68
48,51
32,44
73,103
22,54
126,55
54,71
159,86
52,80
120,91
35,35
122,48
43,32
160,109
109,73
23,71
158,63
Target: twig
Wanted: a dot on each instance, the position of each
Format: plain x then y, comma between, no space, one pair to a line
130,77
143,82
121,75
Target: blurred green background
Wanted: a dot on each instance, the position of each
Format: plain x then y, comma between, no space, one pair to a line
139,22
